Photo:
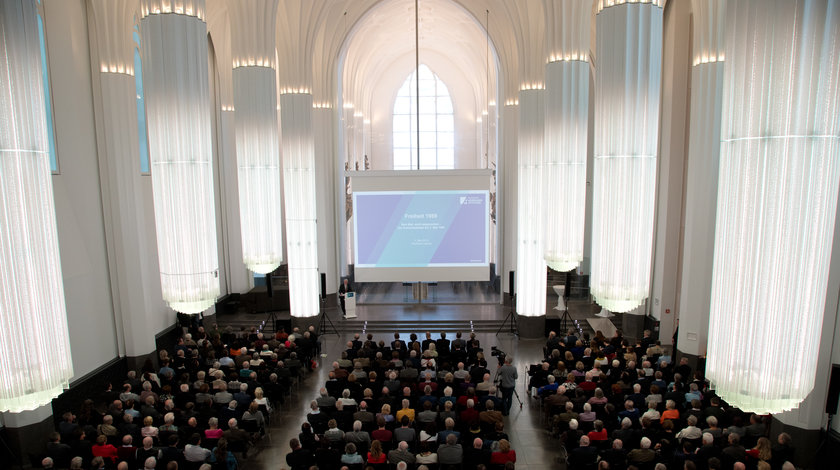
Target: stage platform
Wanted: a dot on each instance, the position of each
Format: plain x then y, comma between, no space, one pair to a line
395,293
417,318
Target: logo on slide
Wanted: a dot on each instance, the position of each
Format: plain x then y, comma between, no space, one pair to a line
463,198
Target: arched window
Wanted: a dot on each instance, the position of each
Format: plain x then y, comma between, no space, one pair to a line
437,124
45,82
141,106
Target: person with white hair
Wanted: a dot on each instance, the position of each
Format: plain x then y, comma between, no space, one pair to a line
584,455
401,455
47,463
234,434
642,456
571,437
358,437
616,456
707,449
588,415
652,413
550,387
148,450
150,463
691,431
451,452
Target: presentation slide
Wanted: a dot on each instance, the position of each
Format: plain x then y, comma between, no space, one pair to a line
421,229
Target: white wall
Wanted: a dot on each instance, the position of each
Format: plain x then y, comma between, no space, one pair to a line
81,232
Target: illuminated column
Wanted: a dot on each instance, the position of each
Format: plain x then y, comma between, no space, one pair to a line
777,199
566,130
35,366
702,174
257,141
627,89
530,265
300,195
178,114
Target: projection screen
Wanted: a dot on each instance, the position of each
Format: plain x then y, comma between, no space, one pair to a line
428,226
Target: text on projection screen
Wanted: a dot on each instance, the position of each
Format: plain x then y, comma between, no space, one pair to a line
405,236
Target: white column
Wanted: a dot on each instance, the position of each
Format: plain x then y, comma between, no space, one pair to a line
627,95
777,198
135,280
702,174
36,365
566,131
178,115
257,140
530,265
671,161
300,198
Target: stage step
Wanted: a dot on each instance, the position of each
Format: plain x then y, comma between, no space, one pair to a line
404,327
421,326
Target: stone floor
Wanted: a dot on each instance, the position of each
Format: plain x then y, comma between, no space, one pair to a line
534,448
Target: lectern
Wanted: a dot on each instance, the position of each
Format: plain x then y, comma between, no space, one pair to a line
350,305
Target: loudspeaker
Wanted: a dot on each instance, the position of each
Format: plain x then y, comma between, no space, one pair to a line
833,398
553,324
285,323
323,285
511,290
268,289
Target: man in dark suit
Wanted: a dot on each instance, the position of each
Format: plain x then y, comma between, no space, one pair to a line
428,341
299,458
342,292
442,345
399,345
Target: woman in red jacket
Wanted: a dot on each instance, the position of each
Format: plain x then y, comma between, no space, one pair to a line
103,449
504,455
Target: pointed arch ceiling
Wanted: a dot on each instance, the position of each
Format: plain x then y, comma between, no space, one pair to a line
452,42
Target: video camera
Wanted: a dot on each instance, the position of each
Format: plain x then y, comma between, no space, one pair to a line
500,355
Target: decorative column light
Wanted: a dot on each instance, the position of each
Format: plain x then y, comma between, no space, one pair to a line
529,25
530,265
566,130
295,50
177,91
301,214
627,89
777,200
257,141
31,286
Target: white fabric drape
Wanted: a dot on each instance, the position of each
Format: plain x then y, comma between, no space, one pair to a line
627,89
566,131
35,365
178,114
777,199
257,140
299,191
530,265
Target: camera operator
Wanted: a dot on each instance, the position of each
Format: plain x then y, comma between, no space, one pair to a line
507,383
